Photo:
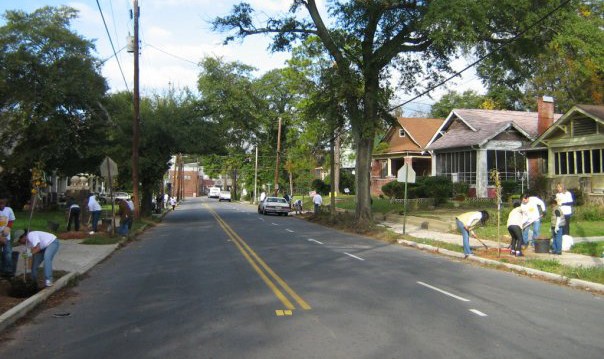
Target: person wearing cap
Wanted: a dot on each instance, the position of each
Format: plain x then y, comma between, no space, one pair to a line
43,246
7,218
466,223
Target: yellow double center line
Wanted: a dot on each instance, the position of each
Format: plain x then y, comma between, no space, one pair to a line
263,270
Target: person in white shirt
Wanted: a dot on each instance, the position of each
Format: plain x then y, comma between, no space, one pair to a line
534,208
7,218
43,246
317,200
565,199
95,212
517,220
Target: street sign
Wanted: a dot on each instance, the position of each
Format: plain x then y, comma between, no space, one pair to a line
406,174
108,168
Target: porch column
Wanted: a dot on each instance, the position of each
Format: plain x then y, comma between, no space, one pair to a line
389,167
482,173
433,164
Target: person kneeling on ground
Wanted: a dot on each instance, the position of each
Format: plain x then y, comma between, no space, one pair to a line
466,223
298,206
43,246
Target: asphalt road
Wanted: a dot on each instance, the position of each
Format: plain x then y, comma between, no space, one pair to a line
217,280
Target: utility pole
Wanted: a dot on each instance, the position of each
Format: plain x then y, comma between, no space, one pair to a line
256,178
277,165
136,119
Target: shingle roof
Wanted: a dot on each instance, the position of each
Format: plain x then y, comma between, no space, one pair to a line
595,110
419,130
468,127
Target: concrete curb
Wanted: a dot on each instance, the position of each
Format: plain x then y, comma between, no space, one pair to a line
20,310
576,283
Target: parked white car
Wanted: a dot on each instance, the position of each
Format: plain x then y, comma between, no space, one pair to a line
224,196
105,198
214,192
276,205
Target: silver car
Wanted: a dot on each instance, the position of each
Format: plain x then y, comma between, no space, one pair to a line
274,205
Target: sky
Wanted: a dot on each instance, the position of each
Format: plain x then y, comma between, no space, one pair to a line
175,35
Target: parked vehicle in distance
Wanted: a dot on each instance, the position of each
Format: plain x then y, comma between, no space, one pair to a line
105,198
224,196
276,205
214,192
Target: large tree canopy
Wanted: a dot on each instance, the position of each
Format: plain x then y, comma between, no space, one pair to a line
50,91
369,39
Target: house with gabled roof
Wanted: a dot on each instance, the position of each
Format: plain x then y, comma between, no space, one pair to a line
472,142
575,151
408,139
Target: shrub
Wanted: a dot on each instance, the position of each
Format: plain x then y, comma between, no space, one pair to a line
394,189
439,187
460,189
508,187
321,187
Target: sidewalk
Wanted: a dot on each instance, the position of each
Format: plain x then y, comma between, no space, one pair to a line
440,229
74,258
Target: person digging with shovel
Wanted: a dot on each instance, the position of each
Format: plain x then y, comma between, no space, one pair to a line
43,246
517,220
466,223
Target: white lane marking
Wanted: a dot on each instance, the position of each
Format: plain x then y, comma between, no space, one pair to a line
274,224
260,218
353,256
444,292
289,230
314,240
478,312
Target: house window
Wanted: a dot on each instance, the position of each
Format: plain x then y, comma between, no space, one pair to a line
384,169
401,132
457,164
578,162
510,164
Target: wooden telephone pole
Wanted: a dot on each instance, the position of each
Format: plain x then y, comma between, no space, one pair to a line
136,119
277,165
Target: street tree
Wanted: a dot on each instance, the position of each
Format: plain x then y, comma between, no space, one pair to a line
569,67
50,93
368,40
466,99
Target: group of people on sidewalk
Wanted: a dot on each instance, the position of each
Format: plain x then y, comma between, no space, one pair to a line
41,247
525,217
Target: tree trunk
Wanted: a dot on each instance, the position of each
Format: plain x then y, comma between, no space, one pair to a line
363,164
338,162
332,165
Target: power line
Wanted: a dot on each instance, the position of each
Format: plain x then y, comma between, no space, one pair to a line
113,47
480,59
169,54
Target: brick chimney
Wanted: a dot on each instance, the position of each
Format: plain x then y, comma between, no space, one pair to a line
545,113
